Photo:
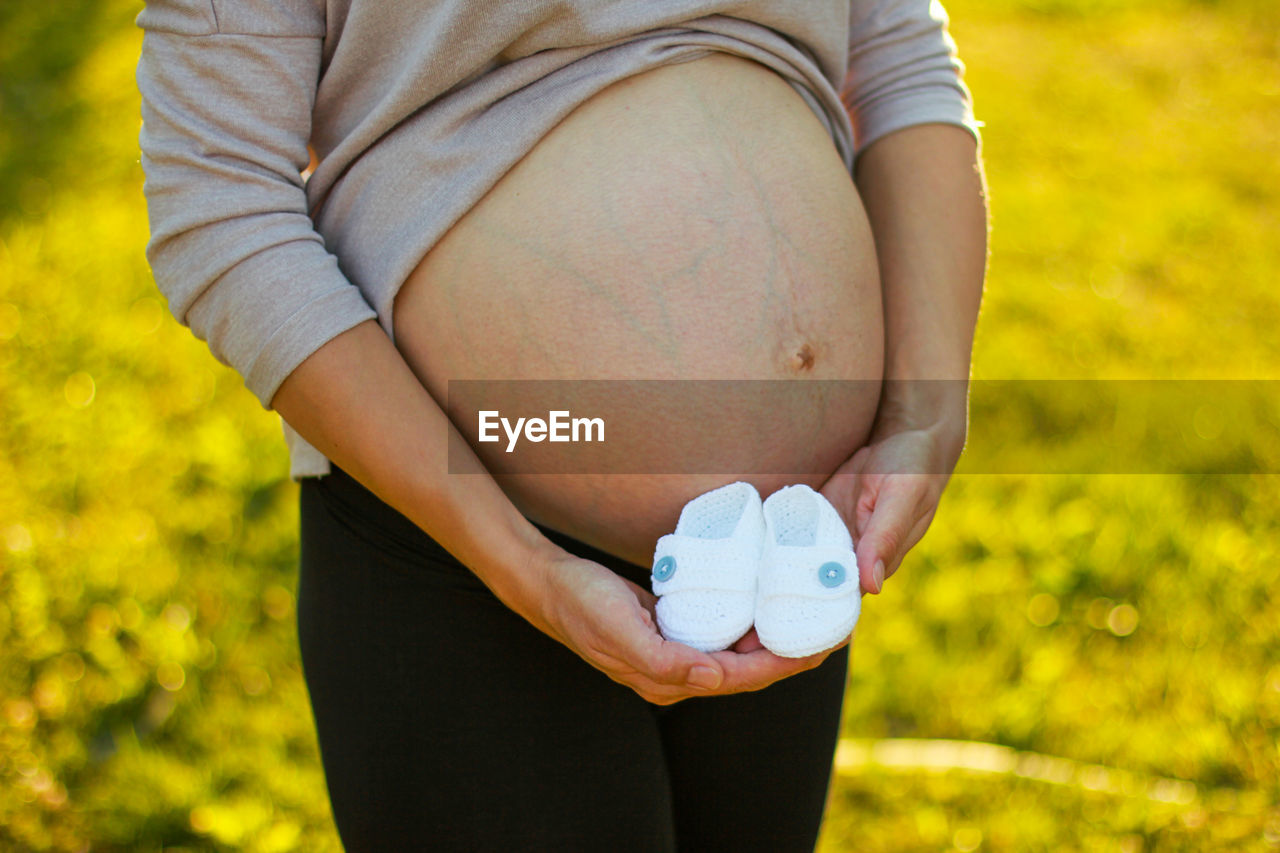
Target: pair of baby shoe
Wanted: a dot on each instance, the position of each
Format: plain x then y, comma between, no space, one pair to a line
787,565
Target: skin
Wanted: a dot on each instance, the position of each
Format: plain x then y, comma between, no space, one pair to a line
362,403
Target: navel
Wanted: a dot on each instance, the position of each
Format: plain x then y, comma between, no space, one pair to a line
802,359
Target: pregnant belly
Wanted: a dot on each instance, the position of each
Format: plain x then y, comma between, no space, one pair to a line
690,222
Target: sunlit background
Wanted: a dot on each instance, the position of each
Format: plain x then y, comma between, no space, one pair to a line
1084,662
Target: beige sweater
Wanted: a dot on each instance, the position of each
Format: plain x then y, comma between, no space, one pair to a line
266,266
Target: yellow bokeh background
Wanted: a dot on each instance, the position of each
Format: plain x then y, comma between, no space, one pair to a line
1066,662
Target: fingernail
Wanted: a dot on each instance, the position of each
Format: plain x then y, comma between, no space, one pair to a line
704,676
878,575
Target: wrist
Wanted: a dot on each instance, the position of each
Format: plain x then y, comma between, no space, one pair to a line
923,403
524,582
939,407
474,520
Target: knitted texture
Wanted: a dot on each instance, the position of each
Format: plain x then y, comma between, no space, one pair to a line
808,597
705,572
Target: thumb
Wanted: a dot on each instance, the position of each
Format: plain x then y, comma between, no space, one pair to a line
698,669
884,535
671,662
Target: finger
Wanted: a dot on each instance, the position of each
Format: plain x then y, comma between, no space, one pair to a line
656,659
749,643
864,506
644,596
758,669
648,601
664,662
913,538
658,690
887,531
842,487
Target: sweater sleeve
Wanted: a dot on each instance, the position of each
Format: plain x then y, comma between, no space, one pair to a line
227,94
902,70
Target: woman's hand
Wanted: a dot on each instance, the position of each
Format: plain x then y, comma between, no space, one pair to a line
925,197
609,622
887,493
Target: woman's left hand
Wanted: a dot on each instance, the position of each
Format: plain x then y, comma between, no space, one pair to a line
887,493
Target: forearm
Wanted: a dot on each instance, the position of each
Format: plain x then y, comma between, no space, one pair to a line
357,401
925,197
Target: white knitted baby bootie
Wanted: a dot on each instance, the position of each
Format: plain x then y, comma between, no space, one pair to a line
809,594
704,573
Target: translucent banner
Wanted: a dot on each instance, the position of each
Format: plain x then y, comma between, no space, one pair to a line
806,427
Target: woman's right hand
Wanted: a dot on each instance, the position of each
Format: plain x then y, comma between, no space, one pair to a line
609,622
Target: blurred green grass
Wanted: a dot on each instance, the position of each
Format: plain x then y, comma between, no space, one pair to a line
150,691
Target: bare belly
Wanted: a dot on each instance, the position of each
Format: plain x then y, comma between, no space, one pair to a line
691,222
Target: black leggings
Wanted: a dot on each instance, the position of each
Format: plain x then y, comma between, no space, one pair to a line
447,722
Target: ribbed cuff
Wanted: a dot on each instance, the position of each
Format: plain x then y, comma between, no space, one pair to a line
307,329
941,105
